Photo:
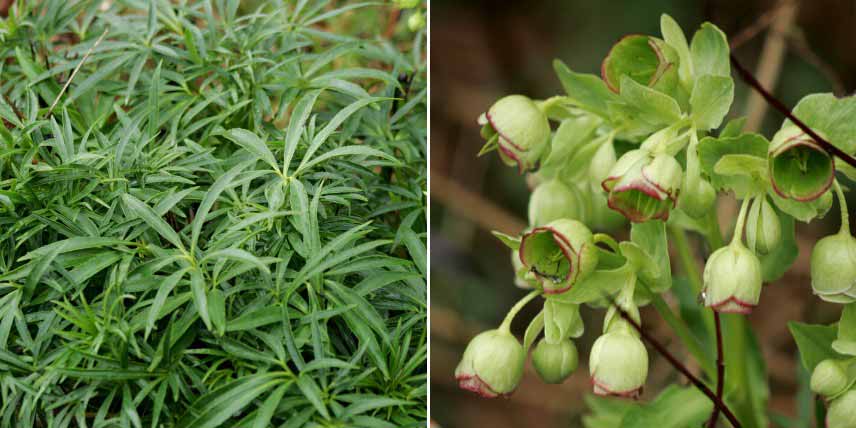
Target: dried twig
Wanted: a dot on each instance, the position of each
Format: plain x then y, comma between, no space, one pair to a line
76,69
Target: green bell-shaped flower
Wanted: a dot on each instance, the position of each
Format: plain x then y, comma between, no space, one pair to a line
520,129
647,60
800,168
618,364
833,268
732,279
642,186
842,411
763,229
553,200
555,362
830,378
560,254
492,364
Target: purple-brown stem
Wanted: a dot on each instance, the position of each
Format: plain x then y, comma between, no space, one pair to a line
778,105
679,366
720,370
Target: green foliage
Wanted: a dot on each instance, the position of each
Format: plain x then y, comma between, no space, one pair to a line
220,223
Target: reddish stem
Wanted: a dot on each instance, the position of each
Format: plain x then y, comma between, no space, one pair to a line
720,369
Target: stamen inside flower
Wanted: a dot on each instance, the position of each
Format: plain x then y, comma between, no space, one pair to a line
546,256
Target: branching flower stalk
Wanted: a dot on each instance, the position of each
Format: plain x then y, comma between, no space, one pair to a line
647,142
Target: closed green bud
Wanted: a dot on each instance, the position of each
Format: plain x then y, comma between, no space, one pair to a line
555,362
618,365
800,168
829,378
763,229
521,130
833,268
732,279
642,186
842,411
492,364
560,254
553,200
697,197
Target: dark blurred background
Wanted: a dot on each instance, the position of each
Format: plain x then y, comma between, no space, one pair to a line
482,50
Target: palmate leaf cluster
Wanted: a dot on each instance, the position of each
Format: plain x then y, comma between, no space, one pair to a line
220,223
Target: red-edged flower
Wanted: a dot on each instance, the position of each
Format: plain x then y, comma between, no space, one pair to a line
642,186
519,129
800,169
559,254
732,279
492,365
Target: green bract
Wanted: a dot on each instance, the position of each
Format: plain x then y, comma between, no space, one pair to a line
492,364
800,168
555,362
519,129
560,254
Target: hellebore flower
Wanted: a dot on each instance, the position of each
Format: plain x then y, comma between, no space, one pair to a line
800,168
829,378
647,60
833,261
642,186
559,253
618,364
763,229
842,411
521,130
555,362
553,200
732,279
833,268
492,364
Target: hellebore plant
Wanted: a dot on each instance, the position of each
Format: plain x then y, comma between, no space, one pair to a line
646,142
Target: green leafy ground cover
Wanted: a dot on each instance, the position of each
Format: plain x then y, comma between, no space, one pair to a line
220,222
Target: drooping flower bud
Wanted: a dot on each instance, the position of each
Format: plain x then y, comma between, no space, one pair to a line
697,197
643,187
829,378
555,362
833,268
553,200
763,229
521,130
732,279
618,364
559,253
800,168
492,364
842,411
